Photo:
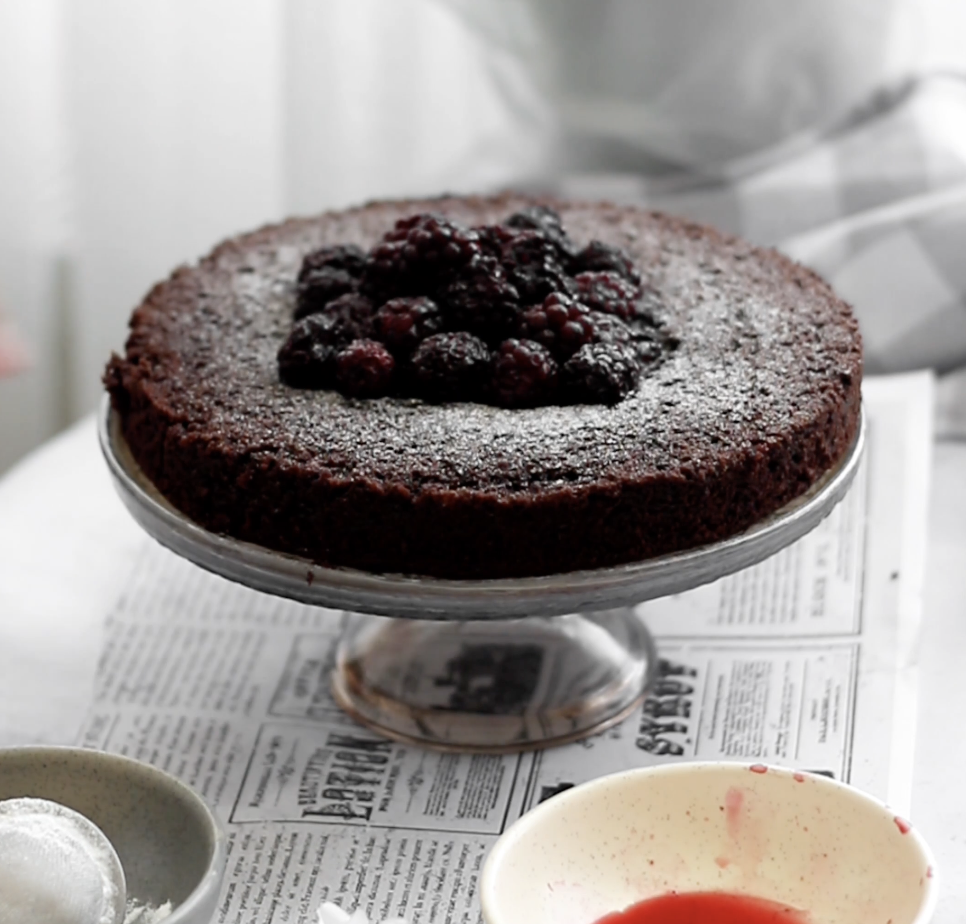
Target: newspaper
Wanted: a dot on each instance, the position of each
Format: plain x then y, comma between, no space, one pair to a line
807,660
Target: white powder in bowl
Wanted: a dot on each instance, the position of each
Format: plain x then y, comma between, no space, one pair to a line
138,913
56,866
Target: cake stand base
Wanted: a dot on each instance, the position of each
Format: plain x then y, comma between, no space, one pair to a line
493,687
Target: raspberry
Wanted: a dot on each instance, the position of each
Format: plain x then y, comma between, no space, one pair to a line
598,257
561,324
321,286
403,323
450,367
547,221
608,292
601,373
307,358
524,374
346,257
364,369
482,301
533,264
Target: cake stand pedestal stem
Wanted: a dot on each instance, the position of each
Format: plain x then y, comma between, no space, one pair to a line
493,686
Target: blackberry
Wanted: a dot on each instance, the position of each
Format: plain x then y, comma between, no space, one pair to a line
642,340
601,373
352,317
346,257
610,329
353,305
547,222
419,251
307,357
436,245
561,324
450,367
533,265
321,286
403,323
598,257
524,374
386,274
608,292
364,369
493,238
482,301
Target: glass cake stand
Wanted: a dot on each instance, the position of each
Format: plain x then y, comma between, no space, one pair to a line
488,666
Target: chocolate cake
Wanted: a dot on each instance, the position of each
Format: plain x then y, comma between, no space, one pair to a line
753,393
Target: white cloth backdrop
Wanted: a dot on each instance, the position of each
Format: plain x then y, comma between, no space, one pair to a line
134,135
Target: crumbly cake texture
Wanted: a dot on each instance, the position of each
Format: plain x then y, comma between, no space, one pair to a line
759,399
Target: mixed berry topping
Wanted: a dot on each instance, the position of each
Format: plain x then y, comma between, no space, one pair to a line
514,314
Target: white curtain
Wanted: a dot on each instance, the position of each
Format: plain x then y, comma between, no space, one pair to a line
135,135
33,219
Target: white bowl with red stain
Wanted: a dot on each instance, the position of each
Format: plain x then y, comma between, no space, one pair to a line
801,841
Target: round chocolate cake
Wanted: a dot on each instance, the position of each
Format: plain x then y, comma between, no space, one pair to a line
748,393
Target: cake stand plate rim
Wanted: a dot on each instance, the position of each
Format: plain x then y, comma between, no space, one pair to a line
435,598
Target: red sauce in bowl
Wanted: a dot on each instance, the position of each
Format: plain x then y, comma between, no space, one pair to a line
706,908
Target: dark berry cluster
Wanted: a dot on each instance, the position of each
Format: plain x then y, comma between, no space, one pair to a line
514,314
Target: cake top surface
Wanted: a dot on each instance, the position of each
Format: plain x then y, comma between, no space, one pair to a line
762,343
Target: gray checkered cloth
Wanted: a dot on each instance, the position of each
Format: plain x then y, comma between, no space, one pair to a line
876,204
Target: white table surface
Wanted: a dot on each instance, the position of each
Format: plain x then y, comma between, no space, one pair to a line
66,544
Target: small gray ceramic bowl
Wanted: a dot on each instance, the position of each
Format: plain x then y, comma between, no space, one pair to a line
170,844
